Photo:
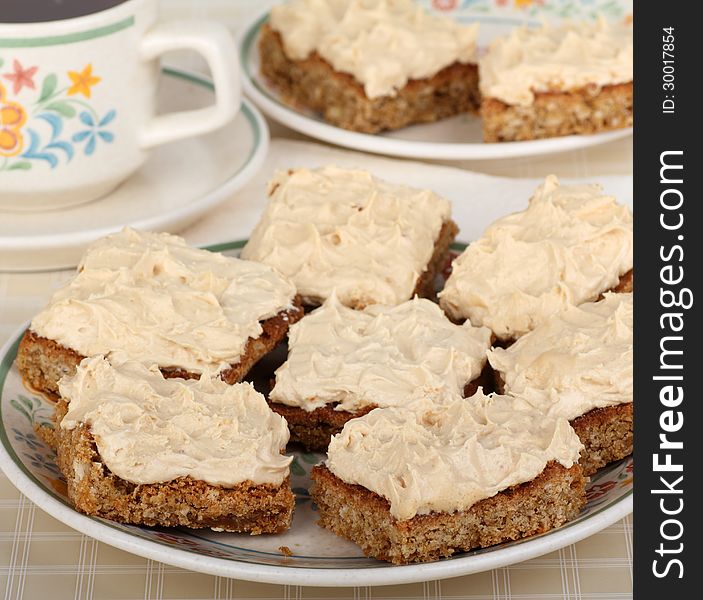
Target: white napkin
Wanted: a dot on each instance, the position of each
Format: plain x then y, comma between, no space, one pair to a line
477,199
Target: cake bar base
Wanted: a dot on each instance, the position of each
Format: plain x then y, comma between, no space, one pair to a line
183,502
313,429
43,362
426,284
552,114
314,84
353,512
606,434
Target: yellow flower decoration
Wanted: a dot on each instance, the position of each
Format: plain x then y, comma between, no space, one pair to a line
523,3
12,118
83,81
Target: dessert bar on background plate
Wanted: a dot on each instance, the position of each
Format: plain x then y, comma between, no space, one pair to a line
318,556
371,66
556,80
455,138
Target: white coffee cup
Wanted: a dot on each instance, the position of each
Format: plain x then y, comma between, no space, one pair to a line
77,100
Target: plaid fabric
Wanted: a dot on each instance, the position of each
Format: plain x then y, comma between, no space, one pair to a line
42,558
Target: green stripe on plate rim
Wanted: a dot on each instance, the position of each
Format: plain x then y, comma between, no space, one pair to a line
69,38
248,42
247,45
246,111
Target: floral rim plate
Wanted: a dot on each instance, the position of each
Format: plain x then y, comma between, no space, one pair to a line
318,556
457,138
180,183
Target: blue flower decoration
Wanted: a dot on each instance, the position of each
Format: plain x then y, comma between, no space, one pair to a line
94,131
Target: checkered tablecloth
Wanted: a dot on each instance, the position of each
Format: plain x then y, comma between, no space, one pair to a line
42,558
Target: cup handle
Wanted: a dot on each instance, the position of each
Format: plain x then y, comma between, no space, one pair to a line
216,45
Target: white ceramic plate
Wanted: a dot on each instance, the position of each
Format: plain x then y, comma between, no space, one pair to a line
457,138
180,182
319,557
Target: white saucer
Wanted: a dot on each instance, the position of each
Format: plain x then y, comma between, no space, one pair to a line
180,183
457,138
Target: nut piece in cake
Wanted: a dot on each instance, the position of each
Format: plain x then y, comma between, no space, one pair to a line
574,78
371,241
372,65
435,477
570,245
138,448
344,362
578,365
156,299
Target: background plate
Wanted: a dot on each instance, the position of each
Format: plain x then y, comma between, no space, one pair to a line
457,138
179,183
319,557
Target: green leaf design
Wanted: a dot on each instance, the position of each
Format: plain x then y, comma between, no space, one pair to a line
26,401
17,406
23,165
2,62
48,87
295,467
64,109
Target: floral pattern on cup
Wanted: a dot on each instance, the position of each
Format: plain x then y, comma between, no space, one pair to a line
12,119
55,123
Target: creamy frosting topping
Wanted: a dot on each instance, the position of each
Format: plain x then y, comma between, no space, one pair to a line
382,43
340,229
376,357
446,454
571,244
151,295
150,430
556,58
578,360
